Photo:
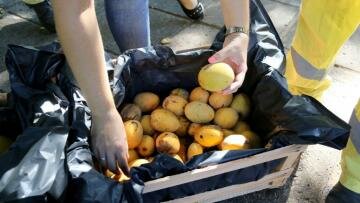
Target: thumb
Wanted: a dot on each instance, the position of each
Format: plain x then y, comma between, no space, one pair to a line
217,57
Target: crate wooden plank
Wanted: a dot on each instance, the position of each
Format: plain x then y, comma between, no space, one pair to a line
235,190
209,171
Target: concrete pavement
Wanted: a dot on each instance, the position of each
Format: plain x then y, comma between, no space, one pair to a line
319,167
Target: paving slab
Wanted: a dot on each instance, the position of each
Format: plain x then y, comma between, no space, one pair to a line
165,25
194,36
20,9
7,3
349,54
16,30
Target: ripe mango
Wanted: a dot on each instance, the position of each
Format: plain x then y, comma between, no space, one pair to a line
132,155
226,117
235,142
134,133
184,125
199,112
147,101
168,142
254,139
193,128
218,100
241,103
194,149
146,124
147,146
130,112
164,120
199,94
209,136
216,77
138,162
180,92
175,104
241,127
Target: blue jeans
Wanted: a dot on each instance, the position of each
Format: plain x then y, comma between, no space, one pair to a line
129,22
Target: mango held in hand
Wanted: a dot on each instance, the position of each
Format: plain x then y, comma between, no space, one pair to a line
235,142
209,135
168,142
216,77
134,133
164,120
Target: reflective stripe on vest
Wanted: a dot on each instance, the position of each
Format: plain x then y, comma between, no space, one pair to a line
355,128
305,69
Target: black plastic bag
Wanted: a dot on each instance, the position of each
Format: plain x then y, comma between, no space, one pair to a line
56,120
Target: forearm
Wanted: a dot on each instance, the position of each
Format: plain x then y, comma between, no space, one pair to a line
236,13
80,38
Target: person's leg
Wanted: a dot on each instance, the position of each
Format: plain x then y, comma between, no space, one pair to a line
129,22
44,12
323,27
348,188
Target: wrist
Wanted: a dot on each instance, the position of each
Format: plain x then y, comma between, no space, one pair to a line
104,111
237,36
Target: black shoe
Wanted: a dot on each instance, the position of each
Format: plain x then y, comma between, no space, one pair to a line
196,13
340,194
45,14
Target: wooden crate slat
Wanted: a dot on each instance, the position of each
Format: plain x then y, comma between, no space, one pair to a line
235,190
209,171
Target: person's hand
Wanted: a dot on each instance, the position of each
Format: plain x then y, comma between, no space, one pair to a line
109,141
234,53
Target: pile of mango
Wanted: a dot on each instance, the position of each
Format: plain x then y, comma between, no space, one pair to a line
185,124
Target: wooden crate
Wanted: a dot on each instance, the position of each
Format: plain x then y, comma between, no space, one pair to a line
273,180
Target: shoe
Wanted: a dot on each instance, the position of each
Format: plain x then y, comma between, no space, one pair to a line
45,14
196,13
340,194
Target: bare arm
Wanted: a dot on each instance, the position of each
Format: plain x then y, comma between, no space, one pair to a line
236,13
80,38
234,52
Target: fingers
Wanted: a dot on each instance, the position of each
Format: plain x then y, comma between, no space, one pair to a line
102,159
232,88
122,162
236,84
112,164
